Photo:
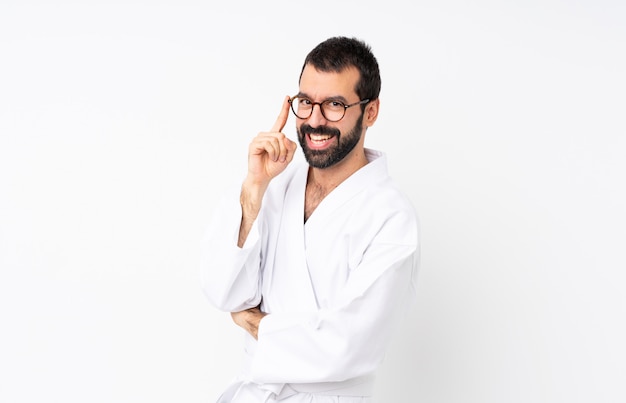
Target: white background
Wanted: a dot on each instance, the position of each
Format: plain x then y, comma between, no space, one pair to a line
121,120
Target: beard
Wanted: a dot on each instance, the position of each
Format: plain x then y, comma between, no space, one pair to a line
330,156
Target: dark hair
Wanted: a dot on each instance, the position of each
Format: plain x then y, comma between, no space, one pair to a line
339,53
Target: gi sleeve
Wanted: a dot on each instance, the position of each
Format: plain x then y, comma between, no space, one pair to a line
230,275
350,339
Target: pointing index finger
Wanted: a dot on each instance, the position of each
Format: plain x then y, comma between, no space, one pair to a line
282,117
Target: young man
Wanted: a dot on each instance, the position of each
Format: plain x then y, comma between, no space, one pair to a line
316,260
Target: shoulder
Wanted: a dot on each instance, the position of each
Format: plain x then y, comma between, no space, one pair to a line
382,192
390,214
291,179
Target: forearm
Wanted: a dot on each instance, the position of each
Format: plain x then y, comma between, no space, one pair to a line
250,199
230,274
333,344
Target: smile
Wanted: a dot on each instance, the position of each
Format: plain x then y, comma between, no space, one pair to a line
319,141
320,138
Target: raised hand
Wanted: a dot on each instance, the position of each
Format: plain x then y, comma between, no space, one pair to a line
270,152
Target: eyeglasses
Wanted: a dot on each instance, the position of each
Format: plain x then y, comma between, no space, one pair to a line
333,111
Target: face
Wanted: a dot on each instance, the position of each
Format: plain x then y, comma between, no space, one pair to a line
326,143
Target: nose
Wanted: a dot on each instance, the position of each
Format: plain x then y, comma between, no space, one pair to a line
316,119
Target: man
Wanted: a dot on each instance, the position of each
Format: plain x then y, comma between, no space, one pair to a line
316,260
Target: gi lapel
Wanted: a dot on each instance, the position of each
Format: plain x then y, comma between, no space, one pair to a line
373,172
290,288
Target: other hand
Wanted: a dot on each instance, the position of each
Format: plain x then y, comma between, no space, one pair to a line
249,320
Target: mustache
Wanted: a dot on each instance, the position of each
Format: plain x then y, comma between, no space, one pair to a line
305,128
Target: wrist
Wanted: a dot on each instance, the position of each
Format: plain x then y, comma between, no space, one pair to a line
251,197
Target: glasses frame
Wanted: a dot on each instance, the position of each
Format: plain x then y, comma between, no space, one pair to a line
345,107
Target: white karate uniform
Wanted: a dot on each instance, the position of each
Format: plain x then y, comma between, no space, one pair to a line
335,287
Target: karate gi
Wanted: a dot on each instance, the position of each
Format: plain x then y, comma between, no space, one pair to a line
335,287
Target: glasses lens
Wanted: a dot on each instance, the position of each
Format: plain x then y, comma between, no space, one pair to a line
301,107
333,110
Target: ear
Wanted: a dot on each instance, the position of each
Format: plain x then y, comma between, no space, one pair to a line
371,113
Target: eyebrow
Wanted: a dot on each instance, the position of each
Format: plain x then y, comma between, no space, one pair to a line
332,98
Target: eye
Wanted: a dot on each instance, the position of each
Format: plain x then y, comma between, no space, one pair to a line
334,105
304,102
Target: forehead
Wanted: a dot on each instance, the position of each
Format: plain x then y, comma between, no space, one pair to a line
323,84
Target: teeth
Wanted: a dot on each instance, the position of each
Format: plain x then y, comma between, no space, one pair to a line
319,137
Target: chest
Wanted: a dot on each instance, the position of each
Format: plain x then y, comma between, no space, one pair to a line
308,265
313,196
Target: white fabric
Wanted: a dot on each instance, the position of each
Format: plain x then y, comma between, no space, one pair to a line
335,287
249,392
